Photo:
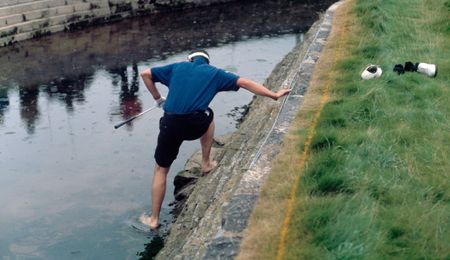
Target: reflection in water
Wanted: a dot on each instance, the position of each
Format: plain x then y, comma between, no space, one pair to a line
4,103
67,178
64,90
129,101
29,111
68,90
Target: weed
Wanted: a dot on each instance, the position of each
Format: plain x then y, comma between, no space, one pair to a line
13,31
321,143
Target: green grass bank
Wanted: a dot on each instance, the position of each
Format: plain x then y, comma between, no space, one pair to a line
375,182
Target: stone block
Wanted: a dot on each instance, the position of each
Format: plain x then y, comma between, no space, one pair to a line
56,28
13,2
101,12
22,8
64,9
82,7
14,19
116,2
49,13
24,1
5,11
31,26
55,3
34,15
23,36
96,4
60,19
6,3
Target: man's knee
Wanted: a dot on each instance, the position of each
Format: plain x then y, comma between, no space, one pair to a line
161,169
163,162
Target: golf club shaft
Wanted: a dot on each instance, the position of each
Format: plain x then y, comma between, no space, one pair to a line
134,117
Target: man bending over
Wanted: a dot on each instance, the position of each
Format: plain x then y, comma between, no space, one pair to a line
192,86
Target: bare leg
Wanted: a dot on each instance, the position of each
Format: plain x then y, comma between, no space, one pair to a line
158,192
206,141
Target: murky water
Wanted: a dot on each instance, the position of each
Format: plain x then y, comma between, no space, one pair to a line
69,182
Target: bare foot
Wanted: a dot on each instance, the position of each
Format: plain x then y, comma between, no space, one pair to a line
209,167
149,221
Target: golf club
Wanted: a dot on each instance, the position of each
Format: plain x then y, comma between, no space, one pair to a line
134,117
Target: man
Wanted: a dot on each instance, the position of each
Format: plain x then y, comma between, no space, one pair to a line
192,86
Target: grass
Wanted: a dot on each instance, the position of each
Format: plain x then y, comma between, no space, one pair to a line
375,179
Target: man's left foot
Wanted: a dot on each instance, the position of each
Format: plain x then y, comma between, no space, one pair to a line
210,167
148,221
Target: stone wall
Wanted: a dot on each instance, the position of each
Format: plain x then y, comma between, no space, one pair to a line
25,19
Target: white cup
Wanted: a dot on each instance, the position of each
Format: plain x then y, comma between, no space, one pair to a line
427,69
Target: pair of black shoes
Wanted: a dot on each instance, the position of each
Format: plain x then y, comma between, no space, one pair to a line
409,66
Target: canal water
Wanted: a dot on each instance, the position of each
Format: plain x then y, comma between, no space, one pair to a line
69,182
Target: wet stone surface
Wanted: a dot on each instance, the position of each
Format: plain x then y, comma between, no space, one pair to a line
237,212
223,248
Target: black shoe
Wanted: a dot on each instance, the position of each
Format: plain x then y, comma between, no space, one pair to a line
399,69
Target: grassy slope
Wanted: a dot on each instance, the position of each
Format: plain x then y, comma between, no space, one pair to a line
376,182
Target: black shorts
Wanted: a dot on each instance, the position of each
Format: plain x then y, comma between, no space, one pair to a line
174,129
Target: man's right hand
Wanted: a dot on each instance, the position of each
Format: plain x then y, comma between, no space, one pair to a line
283,91
160,102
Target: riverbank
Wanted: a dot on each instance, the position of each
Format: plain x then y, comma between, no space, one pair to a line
364,170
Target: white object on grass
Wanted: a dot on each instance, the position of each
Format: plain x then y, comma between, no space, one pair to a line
427,69
371,72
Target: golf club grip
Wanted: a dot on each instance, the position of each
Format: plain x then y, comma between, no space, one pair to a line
124,122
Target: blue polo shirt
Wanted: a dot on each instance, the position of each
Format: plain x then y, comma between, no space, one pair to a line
192,85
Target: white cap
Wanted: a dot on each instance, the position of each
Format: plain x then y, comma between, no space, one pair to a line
199,53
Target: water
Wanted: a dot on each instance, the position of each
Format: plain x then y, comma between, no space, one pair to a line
70,182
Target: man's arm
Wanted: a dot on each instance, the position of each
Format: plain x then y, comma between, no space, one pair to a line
146,75
259,89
